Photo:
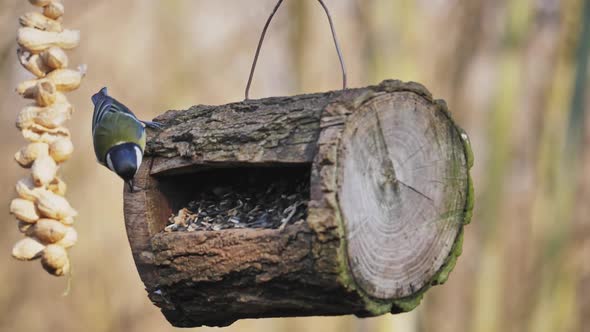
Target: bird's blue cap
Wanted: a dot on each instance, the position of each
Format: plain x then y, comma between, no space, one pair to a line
100,95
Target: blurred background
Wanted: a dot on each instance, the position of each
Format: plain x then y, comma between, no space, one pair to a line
512,72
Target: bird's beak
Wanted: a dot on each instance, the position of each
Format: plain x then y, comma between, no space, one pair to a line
130,185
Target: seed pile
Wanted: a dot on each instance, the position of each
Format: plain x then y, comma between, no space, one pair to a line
269,205
44,214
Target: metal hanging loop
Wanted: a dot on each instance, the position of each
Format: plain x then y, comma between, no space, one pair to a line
340,58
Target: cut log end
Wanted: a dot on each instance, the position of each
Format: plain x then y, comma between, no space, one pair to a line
389,193
403,185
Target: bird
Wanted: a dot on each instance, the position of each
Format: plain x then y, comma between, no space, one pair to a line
118,136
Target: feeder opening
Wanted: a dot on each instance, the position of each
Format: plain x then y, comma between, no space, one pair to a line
214,199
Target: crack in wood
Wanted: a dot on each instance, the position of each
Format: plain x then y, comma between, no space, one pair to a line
389,169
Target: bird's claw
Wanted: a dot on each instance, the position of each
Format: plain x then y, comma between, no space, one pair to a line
130,186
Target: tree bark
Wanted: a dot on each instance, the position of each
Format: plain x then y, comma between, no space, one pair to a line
389,195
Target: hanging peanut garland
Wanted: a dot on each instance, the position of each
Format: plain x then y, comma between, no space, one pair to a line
44,215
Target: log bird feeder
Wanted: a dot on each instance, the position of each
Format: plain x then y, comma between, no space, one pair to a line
388,191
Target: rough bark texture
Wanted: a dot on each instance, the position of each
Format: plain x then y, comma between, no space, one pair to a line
389,195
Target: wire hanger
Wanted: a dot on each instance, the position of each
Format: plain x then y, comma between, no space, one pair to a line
342,66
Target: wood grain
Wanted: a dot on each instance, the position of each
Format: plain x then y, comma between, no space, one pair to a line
402,192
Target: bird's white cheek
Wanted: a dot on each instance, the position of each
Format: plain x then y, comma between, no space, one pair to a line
110,163
139,156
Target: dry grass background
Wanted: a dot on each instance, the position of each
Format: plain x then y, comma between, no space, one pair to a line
506,68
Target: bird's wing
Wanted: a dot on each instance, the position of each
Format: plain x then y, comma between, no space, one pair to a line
106,105
103,104
118,107
101,107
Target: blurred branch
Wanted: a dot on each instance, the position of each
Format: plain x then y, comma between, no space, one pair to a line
363,15
539,69
4,56
576,150
576,121
298,35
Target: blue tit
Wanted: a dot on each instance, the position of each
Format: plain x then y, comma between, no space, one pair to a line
118,136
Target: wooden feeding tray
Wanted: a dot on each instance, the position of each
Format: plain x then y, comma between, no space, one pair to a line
346,202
